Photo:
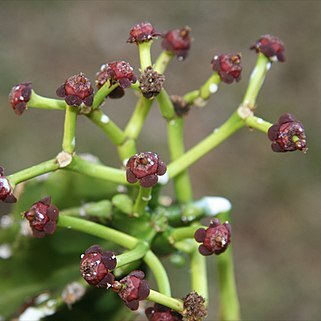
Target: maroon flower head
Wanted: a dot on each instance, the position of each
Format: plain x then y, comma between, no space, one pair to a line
194,307
161,313
287,135
42,217
117,71
145,168
271,47
142,32
19,96
5,189
76,90
215,238
96,265
151,82
178,42
132,289
228,66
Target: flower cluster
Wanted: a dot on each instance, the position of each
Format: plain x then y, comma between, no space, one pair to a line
215,239
151,82
287,135
42,217
19,96
142,32
6,194
161,313
145,168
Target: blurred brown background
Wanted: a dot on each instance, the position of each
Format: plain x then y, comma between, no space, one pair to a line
276,197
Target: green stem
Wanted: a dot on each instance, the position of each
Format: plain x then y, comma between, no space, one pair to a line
143,197
95,170
37,101
127,149
133,255
162,61
257,77
144,54
112,131
229,302
165,105
181,233
102,93
199,274
137,119
159,272
203,147
33,171
258,123
165,300
69,139
98,230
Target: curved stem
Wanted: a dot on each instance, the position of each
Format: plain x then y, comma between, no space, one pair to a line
165,300
162,61
203,147
102,93
95,170
112,131
33,171
69,139
165,105
159,273
258,123
143,197
181,233
257,77
37,101
133,255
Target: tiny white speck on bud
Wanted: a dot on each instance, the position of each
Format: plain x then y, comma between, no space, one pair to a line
82,255
104,119
125,161
163,180
213,88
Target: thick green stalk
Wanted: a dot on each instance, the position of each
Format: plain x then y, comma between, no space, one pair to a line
229,302
33,171
143,197
112,131
135,254
257,77
181,233
144,54
37,101
69,139
102,93
162,61
95,170
203,147
258,123
165,300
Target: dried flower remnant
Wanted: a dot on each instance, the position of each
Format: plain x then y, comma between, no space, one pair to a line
42,217
145,168
271,47
6,194
228,66
142,32
181,107
132,289
76,90
178,42
287,135
19,96
151,82
194,307
161,313
215,238
96,265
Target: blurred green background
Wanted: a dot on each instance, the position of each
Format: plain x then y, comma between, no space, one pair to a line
276,197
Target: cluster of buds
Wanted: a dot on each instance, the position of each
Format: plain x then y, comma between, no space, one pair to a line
42,217
287,135
142,32
6,194
145,168
19,96
151,82
161,313
215,239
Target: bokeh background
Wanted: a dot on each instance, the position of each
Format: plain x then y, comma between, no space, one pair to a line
276,197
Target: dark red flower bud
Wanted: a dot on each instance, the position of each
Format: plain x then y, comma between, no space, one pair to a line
181,107
228,66
5,189
132,289
19,96
178,42
76,90
161,313
271,47
117,71
215,238
151,82
96,265
42,217
287,135
145,168
194,307
142,32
